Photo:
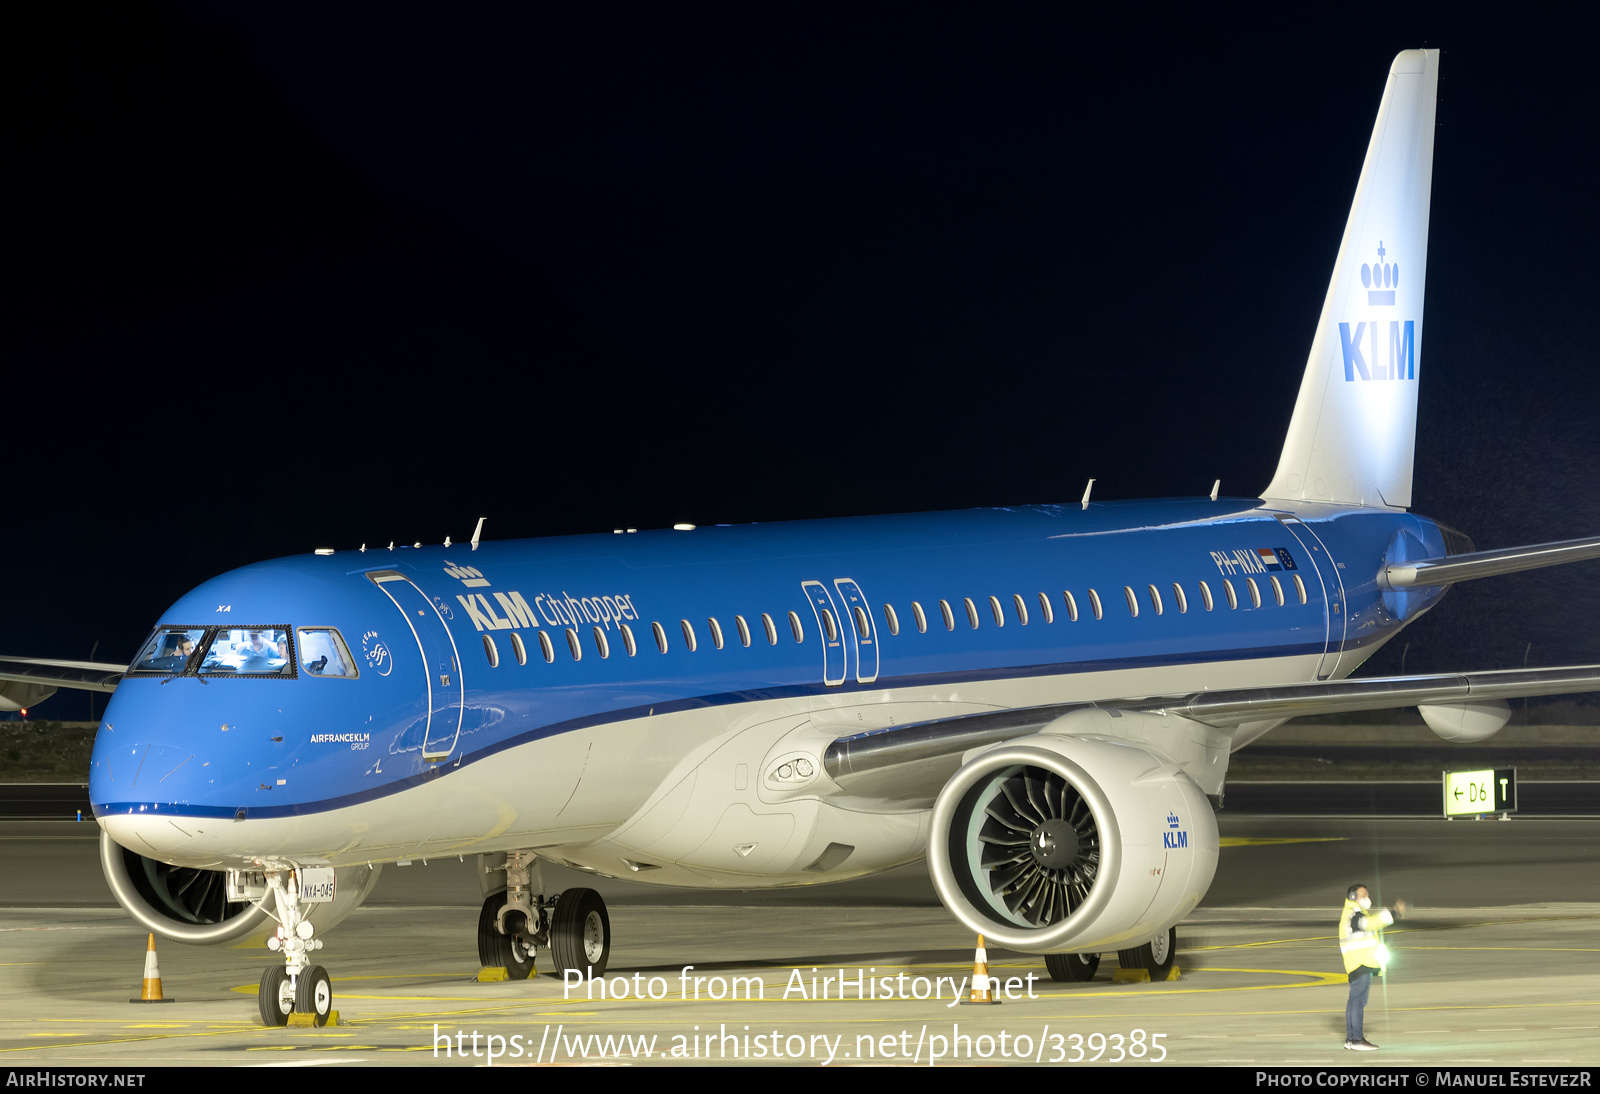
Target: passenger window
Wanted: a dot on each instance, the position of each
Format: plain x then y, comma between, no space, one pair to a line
770,628
1133,601
921,618
830,624
716,632
572,645
1277,590
323,653
1300,588
661,636
546,647
518,648
996,611
491,652
601,643
1155,598
688,635
1205,596
1094,602
627,639
796,629
863,625
972,611
744,630
1072,605
1183,601
1022,609
948,616
1233,598
1044,608
890,618
1255,592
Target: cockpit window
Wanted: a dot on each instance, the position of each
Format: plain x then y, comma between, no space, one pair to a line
249,651
323,653
168,651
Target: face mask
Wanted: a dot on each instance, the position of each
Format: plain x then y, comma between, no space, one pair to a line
1365,903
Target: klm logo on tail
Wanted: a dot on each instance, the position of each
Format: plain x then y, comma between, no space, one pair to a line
1362,344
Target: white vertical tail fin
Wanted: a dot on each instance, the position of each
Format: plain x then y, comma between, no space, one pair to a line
1353,435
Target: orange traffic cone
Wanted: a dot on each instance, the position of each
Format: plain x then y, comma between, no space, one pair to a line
152,978
983,993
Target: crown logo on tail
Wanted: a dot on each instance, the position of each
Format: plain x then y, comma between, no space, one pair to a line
1381,278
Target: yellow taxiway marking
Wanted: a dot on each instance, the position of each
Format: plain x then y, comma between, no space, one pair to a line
1395,931
1533,949
1314,980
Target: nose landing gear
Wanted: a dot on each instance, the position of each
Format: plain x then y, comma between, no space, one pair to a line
296,986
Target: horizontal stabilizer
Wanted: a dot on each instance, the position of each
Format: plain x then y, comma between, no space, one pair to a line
78,675
1510,560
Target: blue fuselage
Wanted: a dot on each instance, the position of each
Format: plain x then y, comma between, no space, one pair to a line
452,670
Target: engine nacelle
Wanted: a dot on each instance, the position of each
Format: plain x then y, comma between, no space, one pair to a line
191,905
1054,844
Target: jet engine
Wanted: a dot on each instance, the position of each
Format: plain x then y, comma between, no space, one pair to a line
185,904
1056,844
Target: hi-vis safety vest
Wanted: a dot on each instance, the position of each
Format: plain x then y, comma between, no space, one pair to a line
1361,937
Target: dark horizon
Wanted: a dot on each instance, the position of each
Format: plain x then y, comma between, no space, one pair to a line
294,278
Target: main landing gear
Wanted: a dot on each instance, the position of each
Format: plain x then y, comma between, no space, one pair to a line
517,922
296,986
1157,955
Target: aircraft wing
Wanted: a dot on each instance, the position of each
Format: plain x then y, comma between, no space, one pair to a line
78,675
913,762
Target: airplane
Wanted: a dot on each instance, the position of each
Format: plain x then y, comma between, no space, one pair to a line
1040,700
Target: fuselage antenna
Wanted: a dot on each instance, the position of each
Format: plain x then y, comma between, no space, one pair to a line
477,532
1216,487
1087,490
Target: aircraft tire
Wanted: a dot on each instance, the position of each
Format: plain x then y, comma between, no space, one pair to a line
314,993
1158,955
580,933
274,999
1073,968
498,951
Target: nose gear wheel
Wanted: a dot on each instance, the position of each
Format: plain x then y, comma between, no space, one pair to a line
1041,846
275,997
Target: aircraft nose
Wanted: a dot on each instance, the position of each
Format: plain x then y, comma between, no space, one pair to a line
138,771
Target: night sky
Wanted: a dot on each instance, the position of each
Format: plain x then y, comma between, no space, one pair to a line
282,277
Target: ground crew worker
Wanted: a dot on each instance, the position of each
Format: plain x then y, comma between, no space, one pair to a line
1361,945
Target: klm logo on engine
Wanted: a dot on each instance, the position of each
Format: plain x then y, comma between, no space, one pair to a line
1175,838
1363,344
